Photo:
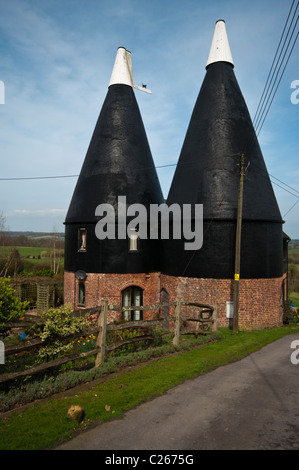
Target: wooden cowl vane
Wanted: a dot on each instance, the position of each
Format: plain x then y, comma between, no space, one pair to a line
118,163
208,173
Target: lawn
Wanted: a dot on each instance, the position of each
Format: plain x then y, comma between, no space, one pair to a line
24,250
45,424
32,253
294,297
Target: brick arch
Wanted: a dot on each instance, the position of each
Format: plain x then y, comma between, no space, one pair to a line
130,284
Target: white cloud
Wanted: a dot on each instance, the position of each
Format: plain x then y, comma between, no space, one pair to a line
38,213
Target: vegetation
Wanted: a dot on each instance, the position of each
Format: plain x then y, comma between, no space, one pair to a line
29,253
293,274
45,424
294,296
31,261
11,309
60,327
72,374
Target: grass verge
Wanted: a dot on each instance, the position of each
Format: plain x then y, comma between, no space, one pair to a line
294,297
44,425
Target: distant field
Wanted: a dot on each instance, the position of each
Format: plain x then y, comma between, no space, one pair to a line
293,250
28,252
23,250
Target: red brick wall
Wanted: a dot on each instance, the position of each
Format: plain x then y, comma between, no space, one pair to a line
260,303
110,286
260,300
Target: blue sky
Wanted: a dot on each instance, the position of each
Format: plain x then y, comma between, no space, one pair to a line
56,59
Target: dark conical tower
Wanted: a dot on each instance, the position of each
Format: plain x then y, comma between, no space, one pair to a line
208,173
118,163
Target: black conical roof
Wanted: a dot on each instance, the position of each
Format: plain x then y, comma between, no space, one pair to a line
118,161
208,173
220,129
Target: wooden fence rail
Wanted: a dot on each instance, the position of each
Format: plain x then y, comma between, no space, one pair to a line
102,328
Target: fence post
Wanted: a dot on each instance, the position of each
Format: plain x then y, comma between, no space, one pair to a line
101,339
177,313
215,318
2,353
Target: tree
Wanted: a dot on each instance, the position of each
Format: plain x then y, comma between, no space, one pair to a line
3,229
11,308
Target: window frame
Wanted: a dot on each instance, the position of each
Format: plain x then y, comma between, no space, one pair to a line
133,238
130,315
82,244
81,284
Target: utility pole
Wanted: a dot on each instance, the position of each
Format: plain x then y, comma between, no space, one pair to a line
238,246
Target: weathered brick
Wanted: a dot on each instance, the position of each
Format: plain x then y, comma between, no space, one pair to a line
260,304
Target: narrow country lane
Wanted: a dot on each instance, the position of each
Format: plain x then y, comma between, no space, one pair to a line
250,404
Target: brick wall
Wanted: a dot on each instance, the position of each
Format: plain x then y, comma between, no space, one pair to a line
260,303
110,286
260,300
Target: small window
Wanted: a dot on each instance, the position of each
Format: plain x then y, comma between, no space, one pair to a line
81,294
132,297
133,240
82,239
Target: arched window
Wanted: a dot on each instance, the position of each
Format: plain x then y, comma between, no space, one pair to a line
132,297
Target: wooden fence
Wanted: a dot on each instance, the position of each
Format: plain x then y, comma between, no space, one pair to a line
207,316
41,293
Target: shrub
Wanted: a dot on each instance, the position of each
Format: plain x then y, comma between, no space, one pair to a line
43,269
59,330
11,308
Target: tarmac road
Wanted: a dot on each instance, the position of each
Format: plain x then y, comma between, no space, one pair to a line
252,404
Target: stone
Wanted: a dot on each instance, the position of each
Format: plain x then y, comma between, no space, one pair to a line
76,413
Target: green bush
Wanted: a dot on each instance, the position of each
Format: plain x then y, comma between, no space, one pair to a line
59,330
11,308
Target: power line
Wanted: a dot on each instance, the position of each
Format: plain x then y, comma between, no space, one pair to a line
291,208
259,130
69,176
285,189
258,115
293,189
257,111
264,107
37,177
259,120
157,167
256,124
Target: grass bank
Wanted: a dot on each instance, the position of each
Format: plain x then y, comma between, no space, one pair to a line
45,424
294,296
